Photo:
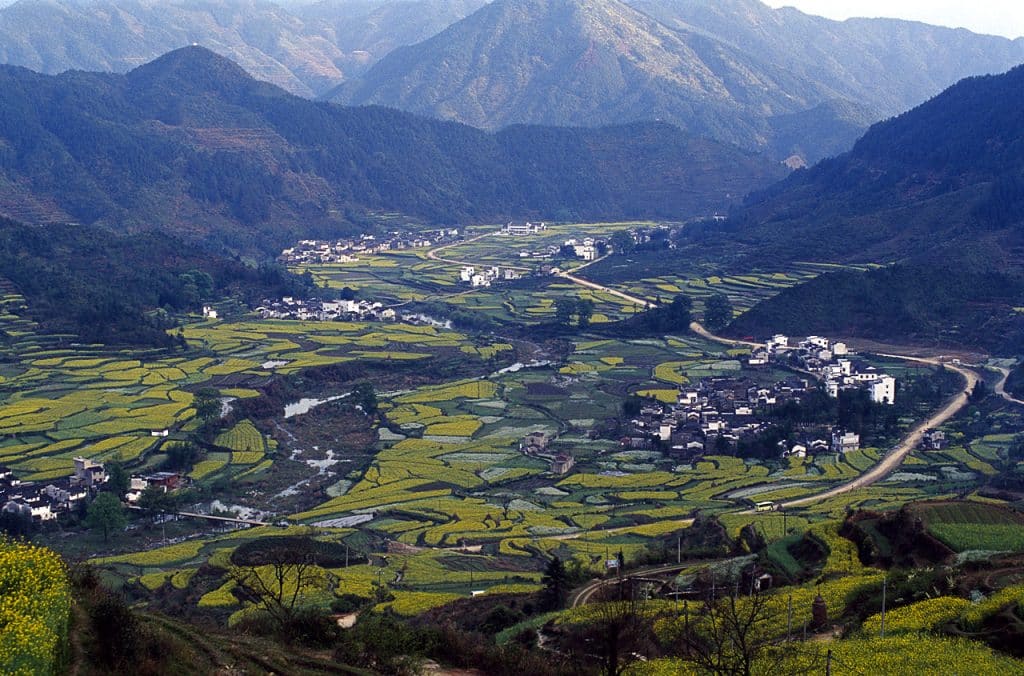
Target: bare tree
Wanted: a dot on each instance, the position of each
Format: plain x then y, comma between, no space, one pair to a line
278,578
739,636
620,627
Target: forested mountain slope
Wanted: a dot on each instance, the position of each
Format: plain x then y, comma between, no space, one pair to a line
190,144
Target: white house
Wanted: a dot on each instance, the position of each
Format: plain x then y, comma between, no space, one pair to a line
845,442
209,312
466,274
883,390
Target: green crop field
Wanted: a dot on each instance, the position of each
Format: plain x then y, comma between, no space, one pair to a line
967,526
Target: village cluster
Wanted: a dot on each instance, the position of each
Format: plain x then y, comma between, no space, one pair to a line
46,501
315,309
349,250
716,414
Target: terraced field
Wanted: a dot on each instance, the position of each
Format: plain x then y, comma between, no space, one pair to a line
57,402
449,501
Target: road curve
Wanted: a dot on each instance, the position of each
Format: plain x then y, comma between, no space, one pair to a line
895,457
1001,387
432,254
582,595
600,287
892,459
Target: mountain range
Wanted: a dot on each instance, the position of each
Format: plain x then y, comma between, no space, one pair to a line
797,86
304,48
192,145
735,70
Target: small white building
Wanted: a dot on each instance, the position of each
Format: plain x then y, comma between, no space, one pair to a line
587,252
845,442
883,390
665,432
209,312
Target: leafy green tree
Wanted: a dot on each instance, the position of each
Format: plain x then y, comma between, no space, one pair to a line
556,584
181,456
154,500
679,311
565,308
584,311
717,312
106,513
622,242
118,480
365,396
207,404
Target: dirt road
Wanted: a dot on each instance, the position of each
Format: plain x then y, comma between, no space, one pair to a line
1001,387
895,457
600,287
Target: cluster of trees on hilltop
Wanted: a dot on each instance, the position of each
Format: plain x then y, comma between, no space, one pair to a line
923,303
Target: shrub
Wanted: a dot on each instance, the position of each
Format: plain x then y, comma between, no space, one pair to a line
35,606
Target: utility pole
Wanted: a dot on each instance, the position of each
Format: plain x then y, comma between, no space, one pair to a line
679,549
828,662
789,619
885,582
346,555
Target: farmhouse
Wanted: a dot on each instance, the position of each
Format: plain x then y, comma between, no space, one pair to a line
535,443
844,442
562,463
484,277
88,473
934,440
833,365
315,309
523,230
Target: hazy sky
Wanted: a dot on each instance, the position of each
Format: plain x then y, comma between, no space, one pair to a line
998,17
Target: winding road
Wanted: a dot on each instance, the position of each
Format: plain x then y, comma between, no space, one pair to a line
432,254
1001,387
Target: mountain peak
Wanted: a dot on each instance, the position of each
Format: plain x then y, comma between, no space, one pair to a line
194,67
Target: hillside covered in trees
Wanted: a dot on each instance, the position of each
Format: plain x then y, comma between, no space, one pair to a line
939,190
108,288
943,180
190,144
